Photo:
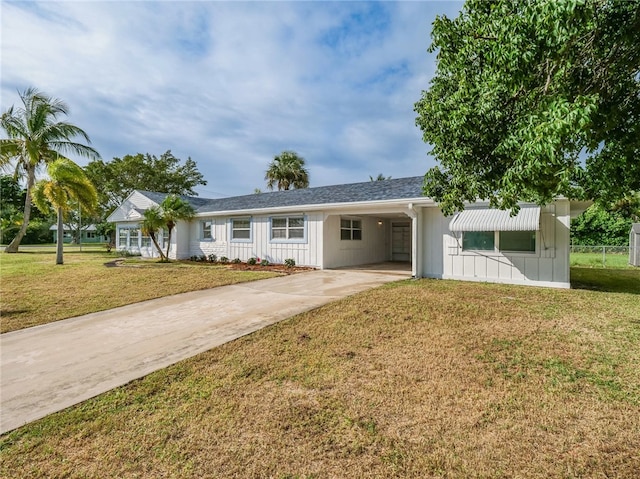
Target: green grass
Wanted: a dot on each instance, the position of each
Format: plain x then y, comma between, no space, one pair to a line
414,379
594,260
34,290
606,279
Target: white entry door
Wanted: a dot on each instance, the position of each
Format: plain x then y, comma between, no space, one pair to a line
401,241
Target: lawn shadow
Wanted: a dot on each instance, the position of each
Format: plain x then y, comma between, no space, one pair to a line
606,279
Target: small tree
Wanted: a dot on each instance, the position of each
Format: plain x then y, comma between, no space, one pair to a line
152,222
67,185
174,209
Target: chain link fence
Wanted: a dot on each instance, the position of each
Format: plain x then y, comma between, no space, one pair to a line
603,256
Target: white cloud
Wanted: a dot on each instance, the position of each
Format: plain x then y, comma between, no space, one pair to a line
231,84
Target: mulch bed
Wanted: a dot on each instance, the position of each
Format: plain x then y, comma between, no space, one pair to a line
277,268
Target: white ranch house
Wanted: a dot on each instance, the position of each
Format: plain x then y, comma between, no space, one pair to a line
367,223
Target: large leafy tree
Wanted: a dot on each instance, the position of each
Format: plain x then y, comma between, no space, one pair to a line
67,188
534,99
116,179
37,137
597,227
287,171
11,205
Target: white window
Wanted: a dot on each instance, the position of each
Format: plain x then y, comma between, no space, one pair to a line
289,228
145,241
134,234
128,238
123,237
206,230
350,229
241,229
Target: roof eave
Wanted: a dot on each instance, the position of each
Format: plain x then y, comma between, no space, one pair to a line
359,205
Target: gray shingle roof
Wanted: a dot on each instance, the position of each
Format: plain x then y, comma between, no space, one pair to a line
159,198
394,189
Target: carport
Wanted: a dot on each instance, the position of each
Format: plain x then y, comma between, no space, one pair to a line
380,240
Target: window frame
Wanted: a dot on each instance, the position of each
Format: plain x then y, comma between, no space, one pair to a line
202,226
232,229
127,237
351,228
519,251
287,229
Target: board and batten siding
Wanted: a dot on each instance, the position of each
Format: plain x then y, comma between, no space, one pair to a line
304,253
443,256
218,244
372,248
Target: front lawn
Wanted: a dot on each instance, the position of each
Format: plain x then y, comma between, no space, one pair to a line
414,379
34,290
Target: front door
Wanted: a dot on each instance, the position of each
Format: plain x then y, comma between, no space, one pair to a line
401,241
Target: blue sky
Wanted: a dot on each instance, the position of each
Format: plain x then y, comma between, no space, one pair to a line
232,84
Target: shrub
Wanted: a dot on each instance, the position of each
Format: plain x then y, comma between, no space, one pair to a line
213,258
264,262
223,260
289,262
236,261
252,261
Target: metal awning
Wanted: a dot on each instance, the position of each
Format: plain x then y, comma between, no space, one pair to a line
486,219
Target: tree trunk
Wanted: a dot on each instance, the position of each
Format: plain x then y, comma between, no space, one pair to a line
60,240
155,242
13,246
168,242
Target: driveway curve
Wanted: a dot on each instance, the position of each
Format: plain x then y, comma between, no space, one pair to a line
47,368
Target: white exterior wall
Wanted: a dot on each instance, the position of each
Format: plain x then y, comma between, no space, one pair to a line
217,245
305,253
127,210
443,256
372,248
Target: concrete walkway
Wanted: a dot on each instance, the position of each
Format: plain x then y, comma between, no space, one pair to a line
47,368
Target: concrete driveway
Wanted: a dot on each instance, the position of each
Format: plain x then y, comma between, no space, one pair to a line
47,368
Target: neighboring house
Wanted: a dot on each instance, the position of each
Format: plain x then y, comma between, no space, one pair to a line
87,235
365,223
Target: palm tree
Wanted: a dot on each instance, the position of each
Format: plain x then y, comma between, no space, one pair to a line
153,221
67,187
287,171
175,209
37,138
380,177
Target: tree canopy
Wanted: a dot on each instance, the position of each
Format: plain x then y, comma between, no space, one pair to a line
116,179
287,171
532,100
599,227
35,138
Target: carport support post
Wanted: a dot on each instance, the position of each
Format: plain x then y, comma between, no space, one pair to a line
416,250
